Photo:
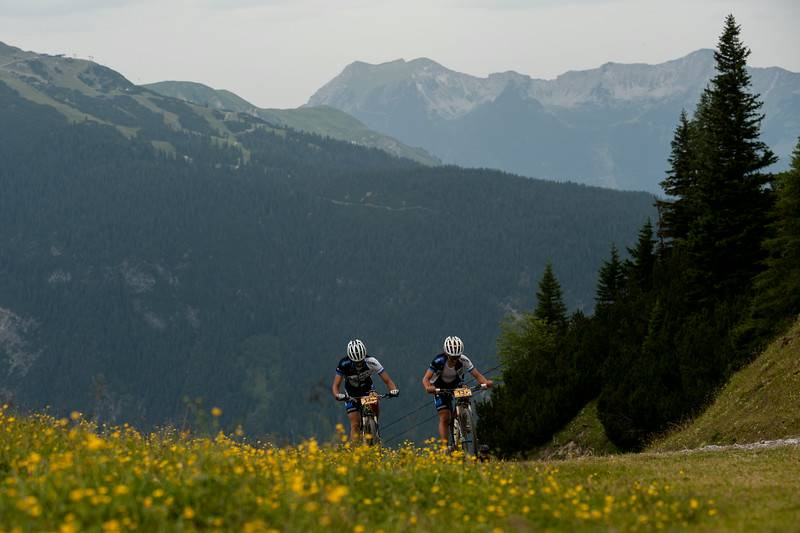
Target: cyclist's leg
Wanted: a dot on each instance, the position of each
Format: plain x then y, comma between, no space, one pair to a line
444,404
445,418
355,419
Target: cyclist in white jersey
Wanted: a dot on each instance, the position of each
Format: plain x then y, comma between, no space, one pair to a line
447,371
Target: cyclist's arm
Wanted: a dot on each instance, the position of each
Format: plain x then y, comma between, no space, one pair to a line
426,382
337,384
481,379
386,379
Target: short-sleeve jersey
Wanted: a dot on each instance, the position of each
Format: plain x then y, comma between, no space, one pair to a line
358,381
445,376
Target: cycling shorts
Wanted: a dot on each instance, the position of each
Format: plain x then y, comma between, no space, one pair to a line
444,400
351,406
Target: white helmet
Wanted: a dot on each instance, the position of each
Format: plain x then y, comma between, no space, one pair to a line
356,350
453,346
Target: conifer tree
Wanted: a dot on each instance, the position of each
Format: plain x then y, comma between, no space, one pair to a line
643,258
777,299
676,215
729,192
611,280
550,302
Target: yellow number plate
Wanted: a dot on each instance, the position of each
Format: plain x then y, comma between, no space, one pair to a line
369,400
462,393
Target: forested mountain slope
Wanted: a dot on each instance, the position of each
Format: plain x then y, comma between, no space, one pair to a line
153,250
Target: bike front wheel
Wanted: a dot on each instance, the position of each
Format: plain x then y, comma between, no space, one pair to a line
469,438
456,433
371,431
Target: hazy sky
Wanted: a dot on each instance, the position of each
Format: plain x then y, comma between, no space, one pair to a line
276,53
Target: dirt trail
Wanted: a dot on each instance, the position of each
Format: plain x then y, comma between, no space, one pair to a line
778,443
377,206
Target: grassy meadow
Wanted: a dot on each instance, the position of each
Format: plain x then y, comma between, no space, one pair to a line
69,475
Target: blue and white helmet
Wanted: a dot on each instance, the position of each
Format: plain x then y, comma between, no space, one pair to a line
453,346
356,350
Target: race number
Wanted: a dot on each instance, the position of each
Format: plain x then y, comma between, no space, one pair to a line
372,399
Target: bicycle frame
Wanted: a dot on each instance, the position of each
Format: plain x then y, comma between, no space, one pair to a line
462,420
368,418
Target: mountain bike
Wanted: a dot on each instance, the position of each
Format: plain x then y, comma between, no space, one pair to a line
462,421
370,430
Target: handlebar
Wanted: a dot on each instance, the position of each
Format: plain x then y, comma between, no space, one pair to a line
473,388
348,397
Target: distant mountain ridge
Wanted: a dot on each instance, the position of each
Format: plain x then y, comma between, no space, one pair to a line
452,94
322,120
607,126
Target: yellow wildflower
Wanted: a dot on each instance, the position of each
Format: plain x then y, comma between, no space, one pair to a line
93,442
68,527
256,526
112,526
297,484
335,494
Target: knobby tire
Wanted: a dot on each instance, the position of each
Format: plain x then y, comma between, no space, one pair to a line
470,439
369,426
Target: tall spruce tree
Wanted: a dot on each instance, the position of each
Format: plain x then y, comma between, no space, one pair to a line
729,193
550,302
777,299
611,281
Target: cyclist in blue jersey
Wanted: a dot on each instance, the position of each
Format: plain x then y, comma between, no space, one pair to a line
356,370
447,372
